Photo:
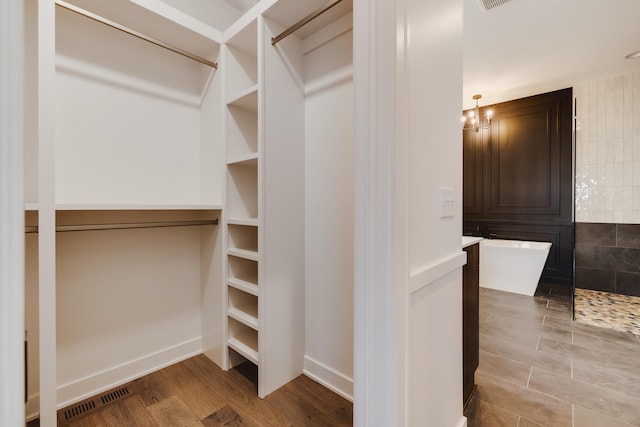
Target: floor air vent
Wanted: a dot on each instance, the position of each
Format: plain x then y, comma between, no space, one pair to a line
79,409
71,413
487,5
114,395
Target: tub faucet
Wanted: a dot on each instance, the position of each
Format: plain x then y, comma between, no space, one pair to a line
492,236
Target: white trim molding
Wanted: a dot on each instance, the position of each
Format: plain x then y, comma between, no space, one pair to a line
329,377
12,408
380,274
432,272
115,376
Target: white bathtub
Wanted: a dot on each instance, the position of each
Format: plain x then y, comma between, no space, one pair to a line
512,265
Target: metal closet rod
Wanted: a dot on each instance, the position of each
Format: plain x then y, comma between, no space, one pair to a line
134,33
301,23
125,225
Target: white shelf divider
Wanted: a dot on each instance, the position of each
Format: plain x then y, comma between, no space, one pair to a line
243,285
243,253
251,159
246,99
246,344
245,315
251,222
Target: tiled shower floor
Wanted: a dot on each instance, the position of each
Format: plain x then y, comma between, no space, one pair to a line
619,312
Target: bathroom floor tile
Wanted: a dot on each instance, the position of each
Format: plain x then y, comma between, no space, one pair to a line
607,402
611,379
619,312
586,329
567,361
557,362
602,357
523,422
506,369
583,417
521,332
598,343
483,414
529,403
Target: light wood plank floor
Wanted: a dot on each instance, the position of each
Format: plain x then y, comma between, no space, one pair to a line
196,393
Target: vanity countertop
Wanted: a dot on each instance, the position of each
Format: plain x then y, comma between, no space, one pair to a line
470,240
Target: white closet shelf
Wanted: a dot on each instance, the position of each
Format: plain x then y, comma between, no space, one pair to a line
250,159
243,285
31,206
158,20
246,99
246,344
243,253
251,222
135,207
245,314
243,36
288,12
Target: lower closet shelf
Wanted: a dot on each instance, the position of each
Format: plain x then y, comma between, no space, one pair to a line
245,316
246,344
243,285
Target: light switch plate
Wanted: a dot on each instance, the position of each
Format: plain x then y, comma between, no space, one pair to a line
447,203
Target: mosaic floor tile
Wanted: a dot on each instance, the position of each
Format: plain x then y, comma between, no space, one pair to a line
619,312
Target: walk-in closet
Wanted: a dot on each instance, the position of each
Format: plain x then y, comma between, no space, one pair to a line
188,189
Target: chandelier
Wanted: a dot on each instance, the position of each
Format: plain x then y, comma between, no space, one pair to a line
473,121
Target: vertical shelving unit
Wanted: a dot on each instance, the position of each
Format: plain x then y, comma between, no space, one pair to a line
243,195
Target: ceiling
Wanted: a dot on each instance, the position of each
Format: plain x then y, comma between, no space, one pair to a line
527,47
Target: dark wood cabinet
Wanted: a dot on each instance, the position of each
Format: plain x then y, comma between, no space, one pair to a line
470,320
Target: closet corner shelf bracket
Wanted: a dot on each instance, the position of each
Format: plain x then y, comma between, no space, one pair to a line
134,33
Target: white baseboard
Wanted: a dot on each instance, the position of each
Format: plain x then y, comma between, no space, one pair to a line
463,422
99,382
328,377
32,408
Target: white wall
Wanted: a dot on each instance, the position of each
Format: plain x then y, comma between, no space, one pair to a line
434,160
608,150
329,212
408,260
11,214
127,301
128,120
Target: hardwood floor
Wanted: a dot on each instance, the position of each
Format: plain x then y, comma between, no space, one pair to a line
196,393
539,368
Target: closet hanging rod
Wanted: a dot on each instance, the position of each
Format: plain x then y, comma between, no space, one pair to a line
124,226
301,23
134,33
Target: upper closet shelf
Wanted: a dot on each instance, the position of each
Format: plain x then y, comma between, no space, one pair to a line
135,207
134,33
310,15
160,21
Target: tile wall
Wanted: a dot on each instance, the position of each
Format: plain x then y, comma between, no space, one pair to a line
608,150
608,257
607,205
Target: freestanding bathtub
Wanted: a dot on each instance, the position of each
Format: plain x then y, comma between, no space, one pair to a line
512,265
